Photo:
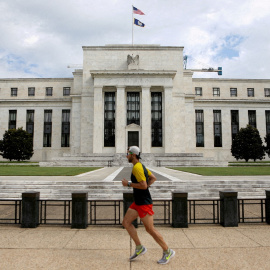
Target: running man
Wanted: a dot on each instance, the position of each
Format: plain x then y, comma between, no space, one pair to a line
141,180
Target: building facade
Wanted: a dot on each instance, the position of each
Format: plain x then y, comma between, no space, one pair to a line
133,95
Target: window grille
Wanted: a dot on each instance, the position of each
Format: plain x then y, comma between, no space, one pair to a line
199,128
217,129
133,108
109,119
156,119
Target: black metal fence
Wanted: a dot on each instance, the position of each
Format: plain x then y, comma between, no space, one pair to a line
203,212
106,212
251,211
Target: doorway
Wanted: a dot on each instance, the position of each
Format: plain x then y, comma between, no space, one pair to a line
133,138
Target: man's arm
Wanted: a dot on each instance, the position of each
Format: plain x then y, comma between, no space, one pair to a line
151,179
140,185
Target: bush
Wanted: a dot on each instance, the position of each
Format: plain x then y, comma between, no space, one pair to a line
17,144
248,144
267,147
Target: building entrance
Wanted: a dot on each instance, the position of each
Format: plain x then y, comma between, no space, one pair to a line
133,138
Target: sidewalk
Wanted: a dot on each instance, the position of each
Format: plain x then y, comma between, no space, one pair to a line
197,247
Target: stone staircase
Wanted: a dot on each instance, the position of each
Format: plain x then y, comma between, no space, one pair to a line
119,160
186,159
113,190
91,160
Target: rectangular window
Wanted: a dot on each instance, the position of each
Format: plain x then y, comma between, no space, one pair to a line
12,119
199,128
14,92
109,119
31,91
133,108
30,121
267,119
47,135
267,92
198,91
66,91
250,92
216,92
156,119
234,123
49,91
233,92
65,136
252,118
217,129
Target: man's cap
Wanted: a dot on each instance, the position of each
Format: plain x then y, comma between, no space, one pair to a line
135,150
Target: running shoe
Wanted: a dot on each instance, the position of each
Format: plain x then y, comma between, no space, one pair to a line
138,252
166,257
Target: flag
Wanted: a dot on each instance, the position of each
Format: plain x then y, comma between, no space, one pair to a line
137,22
137,11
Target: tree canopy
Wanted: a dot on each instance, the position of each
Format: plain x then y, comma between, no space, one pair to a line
248,144
17,144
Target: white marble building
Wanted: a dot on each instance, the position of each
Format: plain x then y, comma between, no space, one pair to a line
137,94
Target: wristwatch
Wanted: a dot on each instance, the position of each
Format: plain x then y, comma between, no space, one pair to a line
129,183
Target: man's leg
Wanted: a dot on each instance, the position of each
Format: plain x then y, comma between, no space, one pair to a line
148,222
130,216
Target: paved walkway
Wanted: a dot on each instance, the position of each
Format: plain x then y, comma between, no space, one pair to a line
198,247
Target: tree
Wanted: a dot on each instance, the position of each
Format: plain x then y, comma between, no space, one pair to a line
248,144
17,144
267,141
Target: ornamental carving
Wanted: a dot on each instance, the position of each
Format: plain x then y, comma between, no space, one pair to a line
133,61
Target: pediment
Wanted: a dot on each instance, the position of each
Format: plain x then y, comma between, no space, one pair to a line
133,126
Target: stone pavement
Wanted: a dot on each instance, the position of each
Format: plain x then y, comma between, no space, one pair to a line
197,247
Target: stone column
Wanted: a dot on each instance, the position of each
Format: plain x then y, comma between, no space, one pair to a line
168,121
79,210
120,121
30,209
87,123
267,206
56,128
179,209
75,127
228,209
98,133
146,120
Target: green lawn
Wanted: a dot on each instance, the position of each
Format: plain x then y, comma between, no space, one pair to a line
25,170
226,171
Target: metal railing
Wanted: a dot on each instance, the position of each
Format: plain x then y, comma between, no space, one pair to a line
55,212
110,212
10,211
251,210
204,211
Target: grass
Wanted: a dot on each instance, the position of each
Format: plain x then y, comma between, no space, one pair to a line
35,170
17,162
226,171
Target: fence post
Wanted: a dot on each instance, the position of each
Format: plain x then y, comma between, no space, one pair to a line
179,209
127,201
267,207
30,209
228,209
79,210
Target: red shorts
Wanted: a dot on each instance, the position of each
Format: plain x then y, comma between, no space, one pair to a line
143,210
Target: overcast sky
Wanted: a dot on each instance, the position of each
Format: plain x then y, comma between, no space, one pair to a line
40,38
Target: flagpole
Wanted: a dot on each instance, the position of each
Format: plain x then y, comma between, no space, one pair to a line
132,23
